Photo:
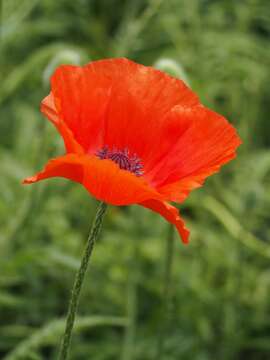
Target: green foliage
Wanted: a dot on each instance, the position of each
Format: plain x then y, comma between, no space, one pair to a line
221,282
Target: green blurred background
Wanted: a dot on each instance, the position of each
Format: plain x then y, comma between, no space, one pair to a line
219,296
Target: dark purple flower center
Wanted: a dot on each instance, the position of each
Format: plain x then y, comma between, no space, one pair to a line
123,159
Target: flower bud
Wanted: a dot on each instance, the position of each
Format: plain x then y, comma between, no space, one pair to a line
172,68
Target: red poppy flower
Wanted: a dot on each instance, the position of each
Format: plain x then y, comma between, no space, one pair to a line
134,135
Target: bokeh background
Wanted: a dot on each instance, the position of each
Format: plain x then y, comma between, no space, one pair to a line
218,298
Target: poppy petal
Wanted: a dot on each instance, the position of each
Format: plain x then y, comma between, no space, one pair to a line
141,99
179,190
208,142
68,166
171,214
107,182
48,108
115,102
102,178
82,97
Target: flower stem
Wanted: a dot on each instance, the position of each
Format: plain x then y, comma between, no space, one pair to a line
73,305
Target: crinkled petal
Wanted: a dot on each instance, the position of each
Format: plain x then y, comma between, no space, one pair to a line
179,190
117,103
69,166
81,98
207,143
102,178
171,214
141,99
48,108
